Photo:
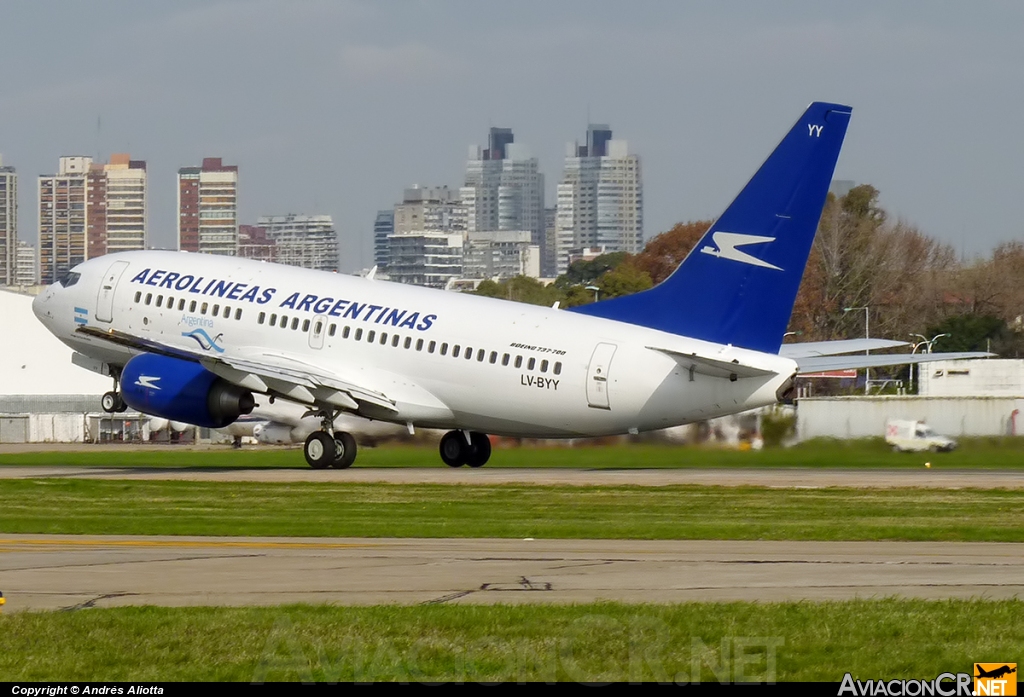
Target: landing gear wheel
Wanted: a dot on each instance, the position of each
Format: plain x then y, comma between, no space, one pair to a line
480,453
122,406
112,402
345,450
454,450
319,450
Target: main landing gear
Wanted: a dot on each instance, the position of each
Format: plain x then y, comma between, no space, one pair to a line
460,448
112,402
327,447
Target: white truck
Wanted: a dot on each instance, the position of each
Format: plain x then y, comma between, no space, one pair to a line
915,436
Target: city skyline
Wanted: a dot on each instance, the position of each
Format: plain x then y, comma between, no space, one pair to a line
316,114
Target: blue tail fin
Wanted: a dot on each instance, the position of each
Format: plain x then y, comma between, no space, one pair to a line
739,283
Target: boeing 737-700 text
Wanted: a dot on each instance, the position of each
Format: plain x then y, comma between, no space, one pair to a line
198,338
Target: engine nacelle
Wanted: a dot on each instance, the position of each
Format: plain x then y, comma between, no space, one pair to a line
275,433
182,391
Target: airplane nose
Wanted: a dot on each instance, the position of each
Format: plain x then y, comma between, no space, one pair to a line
41,304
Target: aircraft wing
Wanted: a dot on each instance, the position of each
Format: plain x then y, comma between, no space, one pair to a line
817,364
831,348
279,374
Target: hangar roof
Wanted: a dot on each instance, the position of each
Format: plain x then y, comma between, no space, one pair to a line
33,361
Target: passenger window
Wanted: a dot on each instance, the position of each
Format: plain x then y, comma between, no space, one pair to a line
305,326
345,332
519,361
138,295
262,316
159,301
295,323
216,310
408,341
419,344
359,334
494,357
284,322
238,314
444,349
469,353
203,309
383,338
544,366
455,351
170,303
394,341
273,319
333,329
558,368
149,298
504,359
480,355
370,335
181,305
192,306
431,347
227,312
531,364
318,328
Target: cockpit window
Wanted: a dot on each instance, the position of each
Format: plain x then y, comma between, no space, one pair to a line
69,279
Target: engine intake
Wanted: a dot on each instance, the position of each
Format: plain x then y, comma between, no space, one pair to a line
181,390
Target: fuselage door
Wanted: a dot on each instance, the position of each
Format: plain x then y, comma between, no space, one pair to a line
317,329
597,376
105,298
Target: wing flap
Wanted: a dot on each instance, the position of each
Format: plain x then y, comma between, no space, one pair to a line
831,348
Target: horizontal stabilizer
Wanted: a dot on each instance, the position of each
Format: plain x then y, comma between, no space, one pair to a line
818,364
714,367
831,348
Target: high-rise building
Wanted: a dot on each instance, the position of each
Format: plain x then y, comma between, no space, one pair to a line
504,189
8,224
425,258
309,241
26,272
430,208
254,243
600,197
64,208
125,205
208,208
383,227
89,209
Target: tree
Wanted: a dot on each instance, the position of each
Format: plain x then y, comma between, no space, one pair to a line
664,253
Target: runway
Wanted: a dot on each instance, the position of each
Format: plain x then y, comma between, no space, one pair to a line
42,572
795,477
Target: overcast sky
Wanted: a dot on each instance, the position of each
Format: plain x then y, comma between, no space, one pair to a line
334,107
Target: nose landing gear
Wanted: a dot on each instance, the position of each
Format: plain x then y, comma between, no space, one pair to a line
460,448
112,402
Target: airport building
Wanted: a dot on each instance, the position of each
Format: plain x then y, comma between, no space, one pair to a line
308,241
208,208
88,209
600,197
8,224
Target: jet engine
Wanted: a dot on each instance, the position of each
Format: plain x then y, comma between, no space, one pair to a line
181,390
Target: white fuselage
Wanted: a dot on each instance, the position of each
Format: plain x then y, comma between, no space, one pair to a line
530,371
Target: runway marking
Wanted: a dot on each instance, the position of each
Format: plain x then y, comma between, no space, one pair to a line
203,544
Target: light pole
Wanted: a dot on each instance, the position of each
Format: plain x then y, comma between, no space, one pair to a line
927,343
867,335
596,291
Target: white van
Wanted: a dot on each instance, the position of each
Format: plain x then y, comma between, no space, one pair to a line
915,436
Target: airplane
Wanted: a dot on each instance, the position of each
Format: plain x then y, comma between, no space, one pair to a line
198,338
995,672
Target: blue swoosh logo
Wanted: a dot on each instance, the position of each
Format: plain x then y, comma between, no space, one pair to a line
204,340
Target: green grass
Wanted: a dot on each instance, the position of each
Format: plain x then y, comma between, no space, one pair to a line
778,641
79,506
975,453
